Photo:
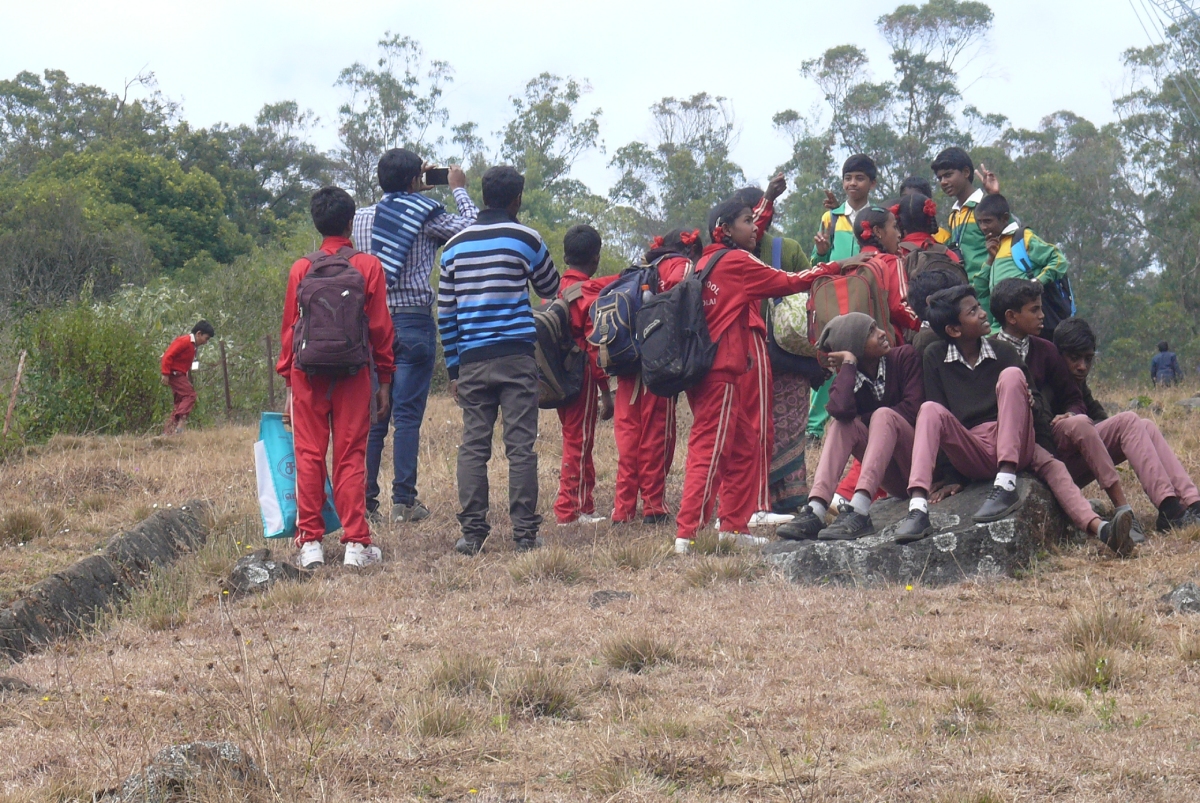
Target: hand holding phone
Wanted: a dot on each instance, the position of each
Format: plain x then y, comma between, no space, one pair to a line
437,176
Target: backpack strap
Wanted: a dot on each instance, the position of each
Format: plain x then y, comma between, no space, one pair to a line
777,253
1020,253
832,229
573,293
712,263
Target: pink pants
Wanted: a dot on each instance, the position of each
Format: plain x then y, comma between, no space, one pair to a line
1126,436
885,449
978,451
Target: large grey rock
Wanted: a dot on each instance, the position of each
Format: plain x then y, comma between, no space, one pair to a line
184,772
257,572
959,548
1184,598
11,685
1191,402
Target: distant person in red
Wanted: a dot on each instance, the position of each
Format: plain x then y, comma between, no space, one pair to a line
179,361
329,392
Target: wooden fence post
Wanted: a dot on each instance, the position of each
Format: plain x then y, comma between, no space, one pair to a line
225,376
12,400
270,373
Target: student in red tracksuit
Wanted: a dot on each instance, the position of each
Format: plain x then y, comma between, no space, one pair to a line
177,362
323,406
722,441
577,479
644,424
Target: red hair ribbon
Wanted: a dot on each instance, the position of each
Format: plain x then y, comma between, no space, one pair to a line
930,207
718,233
895,210
657,242
866,230
690,237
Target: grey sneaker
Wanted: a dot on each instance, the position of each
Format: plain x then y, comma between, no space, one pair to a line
528,544
468,546
1136,533
409,513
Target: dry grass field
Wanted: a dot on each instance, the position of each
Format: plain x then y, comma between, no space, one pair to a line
510,677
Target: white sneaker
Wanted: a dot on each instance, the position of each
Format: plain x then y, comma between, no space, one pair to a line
591,518
358,555
743,539
312,554
683,546
765,518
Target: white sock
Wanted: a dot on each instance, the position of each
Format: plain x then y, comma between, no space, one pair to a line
1006,481
918,503
861,502
818,507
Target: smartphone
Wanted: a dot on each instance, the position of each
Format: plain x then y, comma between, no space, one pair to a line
437,176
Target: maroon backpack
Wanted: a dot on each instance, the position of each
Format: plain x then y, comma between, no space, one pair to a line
331,336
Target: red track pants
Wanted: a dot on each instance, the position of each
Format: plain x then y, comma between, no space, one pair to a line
577,478
644,427
722,444
743,495
339,407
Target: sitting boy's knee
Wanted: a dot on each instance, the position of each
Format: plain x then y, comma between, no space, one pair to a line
1012,375
932,408
885,416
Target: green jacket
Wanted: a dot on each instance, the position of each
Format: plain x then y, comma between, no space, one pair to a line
966,233
1047,262
845,244
792,256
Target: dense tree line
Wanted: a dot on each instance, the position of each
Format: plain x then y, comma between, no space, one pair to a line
101,189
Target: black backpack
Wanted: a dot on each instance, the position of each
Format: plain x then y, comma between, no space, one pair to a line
672,334
331,337
560,362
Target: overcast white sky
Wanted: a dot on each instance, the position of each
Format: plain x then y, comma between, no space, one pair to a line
223,59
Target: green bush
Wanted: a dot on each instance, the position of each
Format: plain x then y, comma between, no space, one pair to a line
89,372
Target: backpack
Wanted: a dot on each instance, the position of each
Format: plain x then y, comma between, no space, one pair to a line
672,335
331,336
935,255
560,362
1058,301
787,317
857,291
614,315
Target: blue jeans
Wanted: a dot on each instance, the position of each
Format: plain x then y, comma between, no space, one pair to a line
414,347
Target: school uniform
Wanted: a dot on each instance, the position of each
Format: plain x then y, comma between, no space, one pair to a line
722,441
966,234
177,363
577,476
337,408
1047,262
980,416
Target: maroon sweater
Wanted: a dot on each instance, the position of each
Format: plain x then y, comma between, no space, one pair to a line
1053,378
904,389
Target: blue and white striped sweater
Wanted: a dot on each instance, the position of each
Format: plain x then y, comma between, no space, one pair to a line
399,218
483,289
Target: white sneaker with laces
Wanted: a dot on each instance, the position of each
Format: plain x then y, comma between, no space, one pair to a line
743,539
358,555
312,554
683,546
765,518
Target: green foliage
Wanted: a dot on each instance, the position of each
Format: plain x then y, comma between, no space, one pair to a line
89,372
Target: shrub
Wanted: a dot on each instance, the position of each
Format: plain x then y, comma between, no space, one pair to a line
551,564
541,691
89,373
463,673
635,653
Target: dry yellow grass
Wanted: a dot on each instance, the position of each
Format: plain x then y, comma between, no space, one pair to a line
442,677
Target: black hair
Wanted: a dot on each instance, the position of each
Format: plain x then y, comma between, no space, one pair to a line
877,217
203,327
1074,336
581,245
751,195
916,184
726,212
502,185
672,243
397,169
928,282
993,206
1164,345
332,210
1013,294
861,163
954,159
945,307
913,217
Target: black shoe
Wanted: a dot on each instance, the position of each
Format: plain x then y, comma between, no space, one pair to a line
999,503
914,527
1114,534
375,515
658,519
804,527
849,524
468,546
528,544
1165,524
1194,509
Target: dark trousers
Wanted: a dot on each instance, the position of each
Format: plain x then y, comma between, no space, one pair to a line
507,385
414,347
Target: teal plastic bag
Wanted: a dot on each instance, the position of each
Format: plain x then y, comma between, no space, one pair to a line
275,470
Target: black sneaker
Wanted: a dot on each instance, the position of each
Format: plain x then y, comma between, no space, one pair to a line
1165,524
804,527
999,503
468,546
914,527
1114,534
849,524
528,544
658,519
375,515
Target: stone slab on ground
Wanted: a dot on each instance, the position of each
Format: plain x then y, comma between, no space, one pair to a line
959,548
186,772
258,572
1184,598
